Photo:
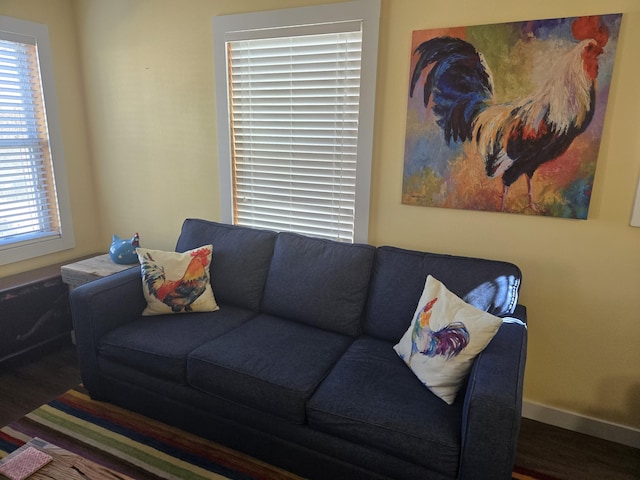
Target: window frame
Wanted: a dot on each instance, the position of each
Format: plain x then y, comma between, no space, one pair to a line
11,252
226,26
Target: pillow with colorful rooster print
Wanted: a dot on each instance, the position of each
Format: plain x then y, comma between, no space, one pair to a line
177,282
446,334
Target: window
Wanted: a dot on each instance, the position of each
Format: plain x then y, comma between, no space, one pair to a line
295,97
34,206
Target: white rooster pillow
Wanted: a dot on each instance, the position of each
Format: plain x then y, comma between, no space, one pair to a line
177,282
445,336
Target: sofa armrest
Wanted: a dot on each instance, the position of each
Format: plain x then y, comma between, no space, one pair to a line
493,404
98,307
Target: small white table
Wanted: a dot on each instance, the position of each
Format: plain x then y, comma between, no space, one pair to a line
90,269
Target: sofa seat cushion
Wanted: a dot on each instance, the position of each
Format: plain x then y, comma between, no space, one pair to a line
371,397
159,345
270,364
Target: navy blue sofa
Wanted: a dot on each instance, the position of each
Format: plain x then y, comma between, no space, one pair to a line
297,367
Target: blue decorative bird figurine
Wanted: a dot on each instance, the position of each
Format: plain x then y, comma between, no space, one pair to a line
124,251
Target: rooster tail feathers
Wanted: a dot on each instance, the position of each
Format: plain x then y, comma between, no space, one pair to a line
459,82
152,274
449,341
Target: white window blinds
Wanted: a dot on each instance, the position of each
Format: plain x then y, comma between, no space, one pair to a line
28,204
293,104
295,95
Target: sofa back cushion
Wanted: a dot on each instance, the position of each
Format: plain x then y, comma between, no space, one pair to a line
319,282
399,278
239,262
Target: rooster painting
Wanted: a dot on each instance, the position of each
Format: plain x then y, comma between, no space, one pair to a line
178,294
555,77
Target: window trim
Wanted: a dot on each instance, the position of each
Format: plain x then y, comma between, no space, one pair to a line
24,250
226,26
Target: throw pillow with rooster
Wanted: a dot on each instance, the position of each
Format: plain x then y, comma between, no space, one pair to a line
175,282
444,337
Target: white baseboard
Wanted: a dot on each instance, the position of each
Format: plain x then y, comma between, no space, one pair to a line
582,424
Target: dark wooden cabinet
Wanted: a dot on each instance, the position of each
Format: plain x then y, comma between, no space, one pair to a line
34,311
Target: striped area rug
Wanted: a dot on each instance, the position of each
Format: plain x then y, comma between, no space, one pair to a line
132,444
140,447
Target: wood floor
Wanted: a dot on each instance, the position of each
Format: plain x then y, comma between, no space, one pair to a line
560,453
26,385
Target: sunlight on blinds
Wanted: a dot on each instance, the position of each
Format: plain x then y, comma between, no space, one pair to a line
294,105
28,206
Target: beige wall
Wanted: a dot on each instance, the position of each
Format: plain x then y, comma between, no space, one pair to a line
58,16
149,98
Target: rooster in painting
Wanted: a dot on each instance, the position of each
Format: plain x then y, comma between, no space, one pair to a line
514,138
177,294
447,342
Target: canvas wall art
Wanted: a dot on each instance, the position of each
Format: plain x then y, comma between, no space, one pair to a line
508,117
